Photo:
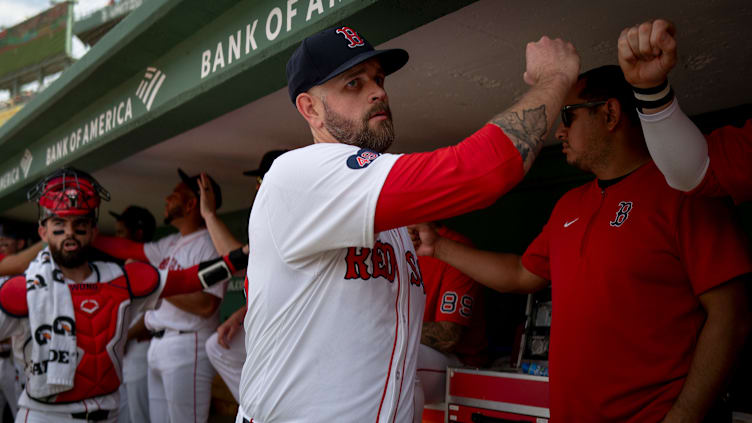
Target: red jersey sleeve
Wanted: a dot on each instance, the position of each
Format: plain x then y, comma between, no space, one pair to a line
121,248
450,181
458,298
2,256
536,258
450,294
712,245
730,173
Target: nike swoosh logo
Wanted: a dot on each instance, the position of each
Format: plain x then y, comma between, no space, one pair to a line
567,224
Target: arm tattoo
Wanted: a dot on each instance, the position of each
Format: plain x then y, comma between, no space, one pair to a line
442,336
527,132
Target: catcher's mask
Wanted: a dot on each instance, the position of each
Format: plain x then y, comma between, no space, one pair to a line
68,192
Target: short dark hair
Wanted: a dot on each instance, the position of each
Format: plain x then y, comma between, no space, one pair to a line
608,82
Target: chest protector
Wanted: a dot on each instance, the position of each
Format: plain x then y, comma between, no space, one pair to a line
101,329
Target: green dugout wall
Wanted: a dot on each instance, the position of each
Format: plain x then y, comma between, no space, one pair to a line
170,66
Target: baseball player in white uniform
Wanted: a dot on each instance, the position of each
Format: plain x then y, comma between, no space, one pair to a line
336,300
180,373
137,224
226,348
10,376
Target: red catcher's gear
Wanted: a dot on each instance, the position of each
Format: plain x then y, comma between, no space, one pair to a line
98,322
68,192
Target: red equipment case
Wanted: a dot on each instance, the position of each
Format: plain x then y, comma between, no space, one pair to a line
482,396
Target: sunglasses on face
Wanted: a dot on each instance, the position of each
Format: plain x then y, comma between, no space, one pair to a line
567,112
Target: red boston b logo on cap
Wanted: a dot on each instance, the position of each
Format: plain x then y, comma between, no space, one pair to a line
352,37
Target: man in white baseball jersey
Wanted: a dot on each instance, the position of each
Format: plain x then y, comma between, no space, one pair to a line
226,348
10,376
72,314
136,224
180,373
336,302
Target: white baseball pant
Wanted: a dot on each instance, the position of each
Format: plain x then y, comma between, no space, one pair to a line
430,382
134,393
10,386
180,377
228,362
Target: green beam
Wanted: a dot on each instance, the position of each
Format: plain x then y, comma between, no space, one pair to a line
104,15
171,66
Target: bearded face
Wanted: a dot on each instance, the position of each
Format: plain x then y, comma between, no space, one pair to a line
69,239
173,211
377,136
70,253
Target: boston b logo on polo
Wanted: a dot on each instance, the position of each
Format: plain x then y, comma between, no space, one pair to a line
622,214
352,37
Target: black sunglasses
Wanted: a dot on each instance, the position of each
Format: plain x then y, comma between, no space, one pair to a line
567,112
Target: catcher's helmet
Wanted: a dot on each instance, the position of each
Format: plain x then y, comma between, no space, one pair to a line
68,192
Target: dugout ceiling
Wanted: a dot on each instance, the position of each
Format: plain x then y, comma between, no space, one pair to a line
200,84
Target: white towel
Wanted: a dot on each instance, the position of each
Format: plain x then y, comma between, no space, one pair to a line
53,329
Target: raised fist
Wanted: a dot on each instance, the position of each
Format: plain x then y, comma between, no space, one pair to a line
647,52
548,59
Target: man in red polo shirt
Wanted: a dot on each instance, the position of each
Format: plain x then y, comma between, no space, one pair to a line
454,330
718,165
649,303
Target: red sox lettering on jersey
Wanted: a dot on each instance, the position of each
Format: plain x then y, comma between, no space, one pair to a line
352,37
383,264
622,214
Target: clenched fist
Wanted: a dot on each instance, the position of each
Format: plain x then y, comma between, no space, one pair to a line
647,52
548,59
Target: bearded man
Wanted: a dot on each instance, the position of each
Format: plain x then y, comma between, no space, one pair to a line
179,385
70,315
336,299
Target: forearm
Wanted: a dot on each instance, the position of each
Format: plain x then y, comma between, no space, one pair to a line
121,248
499,271
441,336
220,234
528,121
677,146
198,303
239,315
17,263
204,274
471,175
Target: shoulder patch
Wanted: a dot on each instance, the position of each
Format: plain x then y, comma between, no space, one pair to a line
143,278
362,158
13,297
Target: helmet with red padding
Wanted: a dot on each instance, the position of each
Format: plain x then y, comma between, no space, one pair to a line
68,192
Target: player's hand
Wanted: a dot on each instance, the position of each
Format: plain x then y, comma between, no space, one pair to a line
647,52
424,238
549,59
227,330
207,196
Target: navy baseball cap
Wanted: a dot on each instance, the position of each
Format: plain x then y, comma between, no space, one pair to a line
266,163
324,55
7,232
135,217
192,182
